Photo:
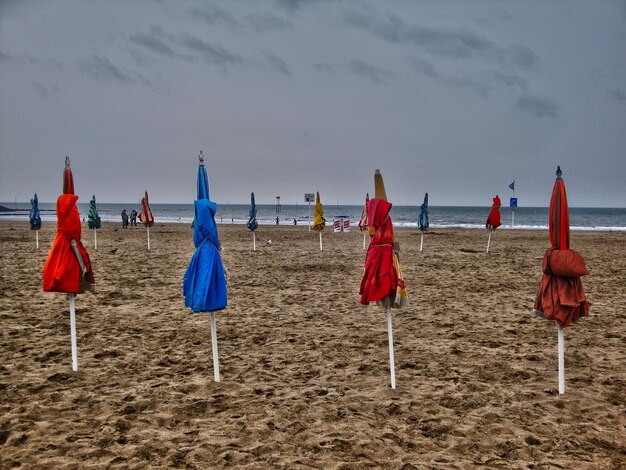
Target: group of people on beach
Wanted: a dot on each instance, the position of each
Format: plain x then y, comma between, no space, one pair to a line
126,218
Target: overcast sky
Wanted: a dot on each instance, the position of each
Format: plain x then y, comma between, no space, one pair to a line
456,98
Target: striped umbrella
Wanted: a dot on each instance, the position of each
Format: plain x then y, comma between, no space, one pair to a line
146,216
68,268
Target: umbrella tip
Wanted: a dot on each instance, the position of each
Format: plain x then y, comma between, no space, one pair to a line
67,163
558,171
201,158
377,171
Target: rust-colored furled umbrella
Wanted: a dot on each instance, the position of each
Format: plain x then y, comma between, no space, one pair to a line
67,268
560,296
493,219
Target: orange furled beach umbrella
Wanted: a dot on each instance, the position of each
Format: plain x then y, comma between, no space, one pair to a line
68,268
383,281
146,216
560,296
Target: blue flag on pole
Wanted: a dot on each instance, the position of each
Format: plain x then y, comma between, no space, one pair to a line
512,185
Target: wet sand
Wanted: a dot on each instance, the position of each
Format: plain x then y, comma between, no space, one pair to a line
305,375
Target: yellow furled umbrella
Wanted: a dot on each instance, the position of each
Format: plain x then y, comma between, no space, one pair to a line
318,217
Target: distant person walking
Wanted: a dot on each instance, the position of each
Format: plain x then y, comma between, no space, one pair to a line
133,218
295,221
277,220
124,219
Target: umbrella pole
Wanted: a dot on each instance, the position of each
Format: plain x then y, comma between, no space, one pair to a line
321,241
561,361
73,333
37,237
488,241
148,229
422,242
364,233
95,238
392,361
216,364
253,241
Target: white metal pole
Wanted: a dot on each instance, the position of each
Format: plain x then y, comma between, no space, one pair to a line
73,333
392,361
309,218
253,241
216,363
148,229
422,242
512,218
561,361
364,235
95,238
37,237
488,241
320,240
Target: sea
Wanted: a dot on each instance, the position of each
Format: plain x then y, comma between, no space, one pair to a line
531,218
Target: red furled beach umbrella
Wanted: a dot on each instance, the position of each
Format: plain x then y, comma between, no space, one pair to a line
68,268
493,220
383,281
560,296
146,216
363,221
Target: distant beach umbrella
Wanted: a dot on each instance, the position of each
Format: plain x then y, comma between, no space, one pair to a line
146,216
252,223
560,296
318,217
363,220
383,281
422,219
493,219
68,268
35,218
93,220
204,282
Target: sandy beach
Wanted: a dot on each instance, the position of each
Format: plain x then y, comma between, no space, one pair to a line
305,372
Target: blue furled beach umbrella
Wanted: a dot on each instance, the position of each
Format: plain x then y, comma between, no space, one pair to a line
422,219
252,223
35,217
204,282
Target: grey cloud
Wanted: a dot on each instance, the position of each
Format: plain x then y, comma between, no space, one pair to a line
450,43
212,15
277,63
426,68
293,5
511,80
324,68
619,96
537,105
101,68
369,71
212,53
156,42
268,23
44,91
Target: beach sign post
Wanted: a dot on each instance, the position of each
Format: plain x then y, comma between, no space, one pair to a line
146,216
513,203
561,267
309,198
204,281
68,268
